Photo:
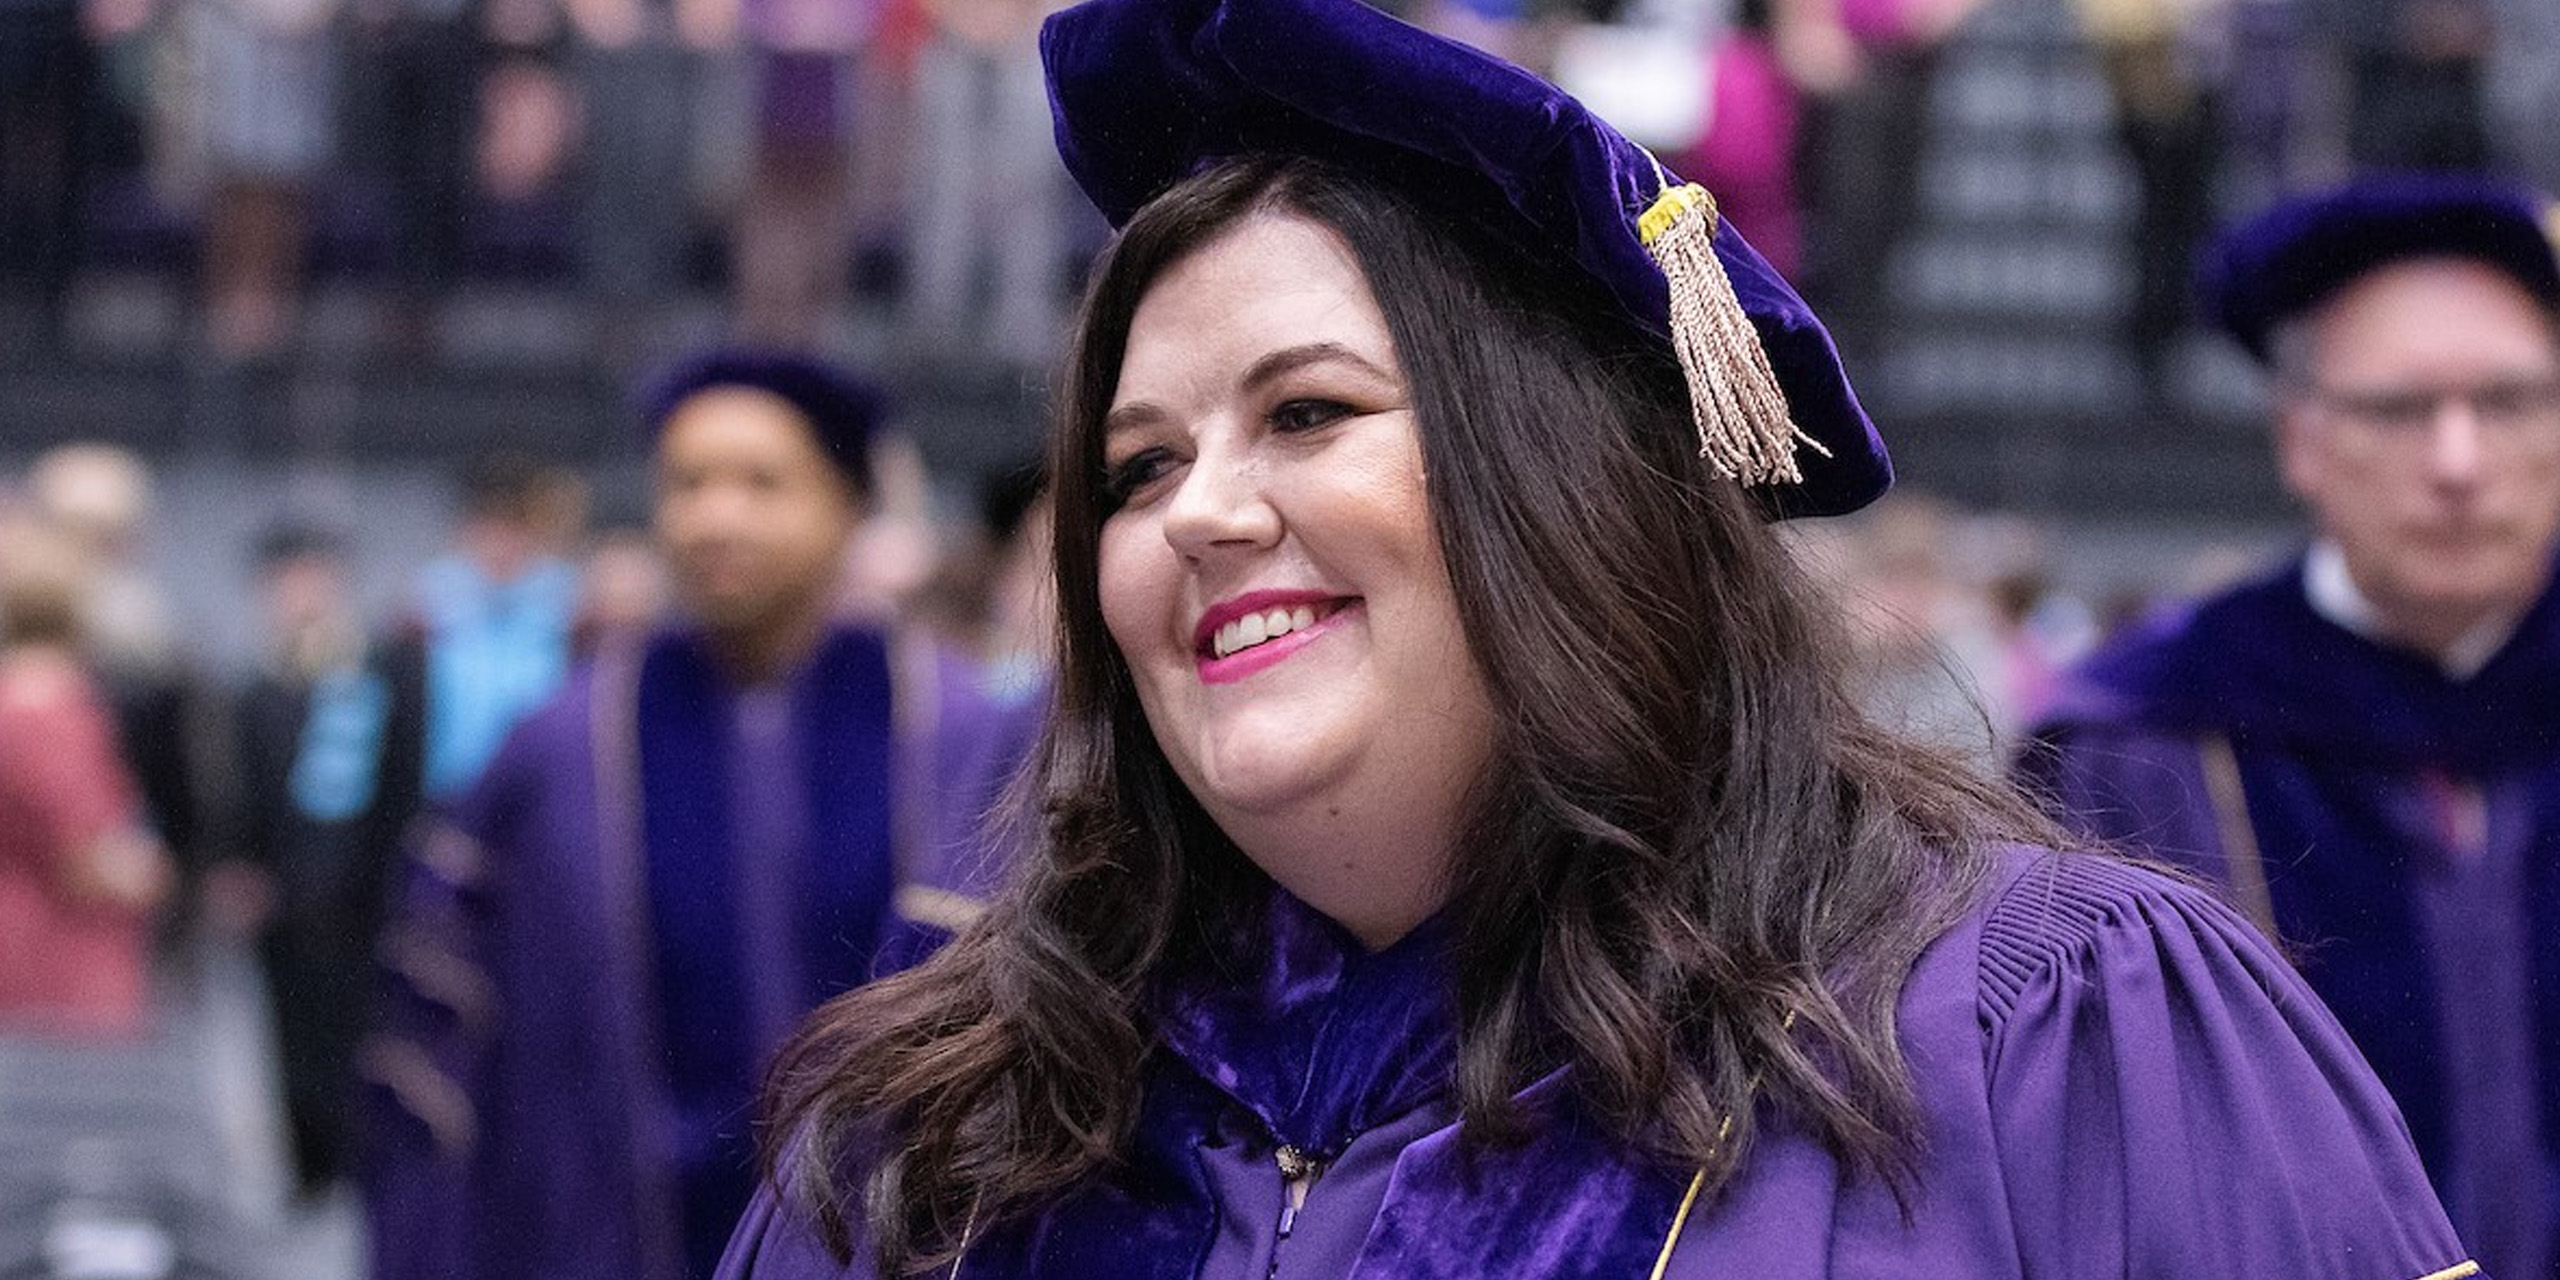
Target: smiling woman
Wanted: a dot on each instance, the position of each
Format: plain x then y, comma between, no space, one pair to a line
1262,459
1463,855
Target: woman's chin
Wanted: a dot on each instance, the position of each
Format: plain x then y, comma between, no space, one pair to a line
1255,792
1265,759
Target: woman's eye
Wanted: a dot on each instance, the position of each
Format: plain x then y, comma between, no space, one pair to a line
1122,480
1307,415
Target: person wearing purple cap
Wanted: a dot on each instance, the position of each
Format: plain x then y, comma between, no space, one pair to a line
2363,744
703,837
1463,853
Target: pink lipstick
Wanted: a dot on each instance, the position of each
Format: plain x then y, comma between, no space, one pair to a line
1250,633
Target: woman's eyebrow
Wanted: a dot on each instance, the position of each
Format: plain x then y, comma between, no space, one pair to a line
1142,413
1289,359
1130,417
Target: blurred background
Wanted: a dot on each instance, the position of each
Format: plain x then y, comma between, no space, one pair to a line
276,276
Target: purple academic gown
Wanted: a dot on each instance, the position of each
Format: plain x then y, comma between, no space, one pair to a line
601,948
2399,828
2118,1078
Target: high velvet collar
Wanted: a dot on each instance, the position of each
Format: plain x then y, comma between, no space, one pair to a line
1318,1041
2261,665
1317,1037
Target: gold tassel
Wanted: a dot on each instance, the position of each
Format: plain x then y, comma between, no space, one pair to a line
1744,428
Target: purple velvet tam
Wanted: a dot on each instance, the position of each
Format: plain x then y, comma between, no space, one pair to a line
1149,92
2296,255
843,410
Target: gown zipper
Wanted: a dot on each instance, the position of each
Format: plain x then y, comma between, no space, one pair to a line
1298,1174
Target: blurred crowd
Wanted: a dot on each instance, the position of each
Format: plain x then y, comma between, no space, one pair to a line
195,765
198,766
162,815
786,154
631,148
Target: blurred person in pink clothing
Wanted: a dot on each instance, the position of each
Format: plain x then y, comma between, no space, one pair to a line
1775,52
792,226
79,874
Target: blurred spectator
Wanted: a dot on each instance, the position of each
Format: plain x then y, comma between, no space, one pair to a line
2269,76
992,614
2167,122
892,556
98,500
299,894
343,749
2041,632
790,244
623,593
2359,743
419,64
988,599
530,123
1925,636
986,227
1961,636
261,79
1747,155
311,636
2523,89
485,639
639,80
311,624
47,93
493,616
2416,75
557,512
1861,149
79,874
700,840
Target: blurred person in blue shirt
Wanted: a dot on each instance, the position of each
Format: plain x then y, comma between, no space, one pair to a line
381,741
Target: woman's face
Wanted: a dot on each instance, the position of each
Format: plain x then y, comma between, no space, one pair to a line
1273,579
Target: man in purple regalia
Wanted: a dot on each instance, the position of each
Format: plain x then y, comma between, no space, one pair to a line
694,845
2364,744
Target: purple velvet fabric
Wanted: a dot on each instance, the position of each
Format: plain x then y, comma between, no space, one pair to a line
596,978
2288,258
2118,1077
1147,92
2434,936
844,410
2258,663
986,722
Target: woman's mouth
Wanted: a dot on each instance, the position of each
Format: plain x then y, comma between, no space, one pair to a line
1261,633
1260,628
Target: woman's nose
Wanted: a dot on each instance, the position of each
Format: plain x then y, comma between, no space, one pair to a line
1221,504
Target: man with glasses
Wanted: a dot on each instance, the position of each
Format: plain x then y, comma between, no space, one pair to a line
2364,745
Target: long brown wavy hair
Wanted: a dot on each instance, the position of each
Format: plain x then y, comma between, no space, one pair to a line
1704,880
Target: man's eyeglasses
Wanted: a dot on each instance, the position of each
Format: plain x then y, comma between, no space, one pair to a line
2516,408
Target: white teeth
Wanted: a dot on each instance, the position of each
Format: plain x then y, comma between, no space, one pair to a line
1255,628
